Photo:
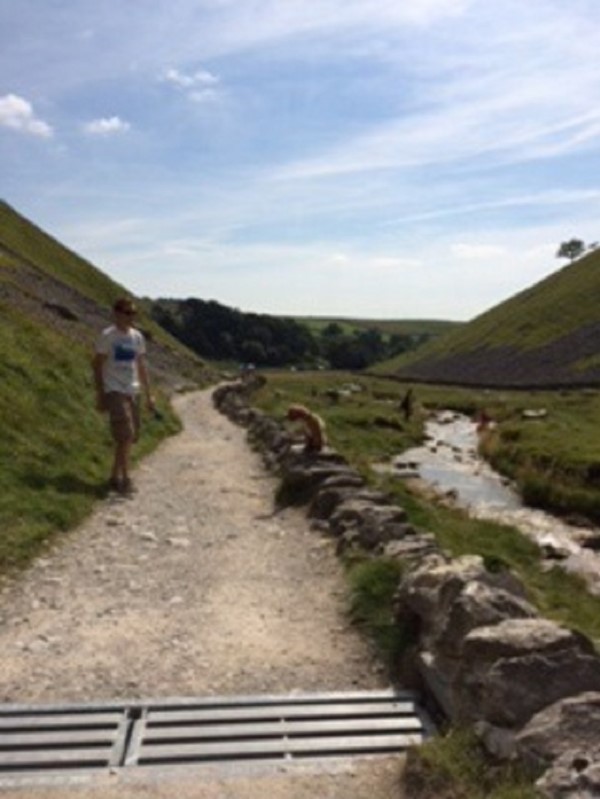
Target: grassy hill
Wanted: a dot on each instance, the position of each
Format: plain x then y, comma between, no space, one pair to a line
54,447
545,336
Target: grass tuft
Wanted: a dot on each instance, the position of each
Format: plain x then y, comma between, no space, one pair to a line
456,766
373,584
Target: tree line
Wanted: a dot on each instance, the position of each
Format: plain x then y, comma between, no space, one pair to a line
219,333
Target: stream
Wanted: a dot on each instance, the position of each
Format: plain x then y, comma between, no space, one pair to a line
449,463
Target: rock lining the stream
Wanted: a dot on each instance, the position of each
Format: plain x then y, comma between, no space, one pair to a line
479,650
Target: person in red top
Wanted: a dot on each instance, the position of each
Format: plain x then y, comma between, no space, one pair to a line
120,373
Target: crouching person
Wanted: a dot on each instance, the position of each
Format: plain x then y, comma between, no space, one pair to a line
312,426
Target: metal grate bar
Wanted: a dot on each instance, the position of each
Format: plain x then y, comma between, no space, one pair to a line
277,729
57,720
241,750
258,712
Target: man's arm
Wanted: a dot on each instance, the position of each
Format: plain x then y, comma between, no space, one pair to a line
98,365
145,380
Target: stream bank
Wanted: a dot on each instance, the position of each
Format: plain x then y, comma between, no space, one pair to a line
449,466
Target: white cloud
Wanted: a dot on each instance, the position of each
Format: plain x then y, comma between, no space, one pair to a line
17,113
106,126
201,77
200,86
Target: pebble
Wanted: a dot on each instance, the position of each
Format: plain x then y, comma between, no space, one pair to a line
176,541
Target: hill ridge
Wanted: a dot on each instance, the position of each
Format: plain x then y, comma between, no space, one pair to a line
546,336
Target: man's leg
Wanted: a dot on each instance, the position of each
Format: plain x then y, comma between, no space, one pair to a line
120,470
124,427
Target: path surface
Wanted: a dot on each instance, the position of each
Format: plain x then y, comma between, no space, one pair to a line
191,588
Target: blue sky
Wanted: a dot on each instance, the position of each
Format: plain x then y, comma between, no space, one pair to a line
372,158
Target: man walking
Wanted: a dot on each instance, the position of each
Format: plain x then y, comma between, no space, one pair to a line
120,372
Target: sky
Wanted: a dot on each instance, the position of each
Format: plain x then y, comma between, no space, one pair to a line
383,159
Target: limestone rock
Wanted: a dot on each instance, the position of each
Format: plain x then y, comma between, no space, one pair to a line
513,669
329,496
569,724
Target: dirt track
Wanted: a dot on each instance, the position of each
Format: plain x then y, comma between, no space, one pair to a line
191,588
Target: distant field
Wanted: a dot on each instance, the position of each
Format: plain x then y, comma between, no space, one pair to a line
417,327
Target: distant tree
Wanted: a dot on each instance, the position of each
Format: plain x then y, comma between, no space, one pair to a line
347,352
400,342
254,352
332,330
372,343
217,332
571,249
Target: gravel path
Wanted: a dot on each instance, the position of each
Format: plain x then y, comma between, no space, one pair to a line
192,588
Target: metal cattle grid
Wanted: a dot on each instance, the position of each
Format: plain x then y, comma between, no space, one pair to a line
82,738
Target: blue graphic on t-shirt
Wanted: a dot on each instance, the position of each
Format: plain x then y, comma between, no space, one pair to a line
123,353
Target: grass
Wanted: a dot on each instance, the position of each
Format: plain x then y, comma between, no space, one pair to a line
364,425
373,583
455,766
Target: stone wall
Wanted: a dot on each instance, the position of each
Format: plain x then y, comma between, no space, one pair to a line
529,686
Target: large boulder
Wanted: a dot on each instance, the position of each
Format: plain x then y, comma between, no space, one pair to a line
411,548
374,524
334,491
430,591
571,724
300,482
513,669
477,605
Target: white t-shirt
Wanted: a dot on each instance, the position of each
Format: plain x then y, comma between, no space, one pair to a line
120,371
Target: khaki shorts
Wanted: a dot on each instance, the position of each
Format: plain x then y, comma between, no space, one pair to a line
124,416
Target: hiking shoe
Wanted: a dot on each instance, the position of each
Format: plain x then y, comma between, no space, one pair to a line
127,487
114,485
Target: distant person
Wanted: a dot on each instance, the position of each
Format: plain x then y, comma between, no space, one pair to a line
120,372
247,371
313,427
483,421
407,404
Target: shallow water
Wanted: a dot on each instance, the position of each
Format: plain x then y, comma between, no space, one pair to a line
449,463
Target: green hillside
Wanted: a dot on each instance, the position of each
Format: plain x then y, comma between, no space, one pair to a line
54,447
546,335
23,242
